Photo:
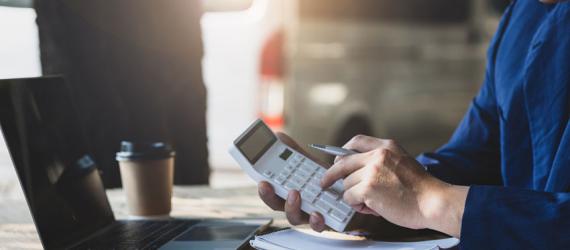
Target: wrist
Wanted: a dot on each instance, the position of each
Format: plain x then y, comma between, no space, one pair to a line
442,207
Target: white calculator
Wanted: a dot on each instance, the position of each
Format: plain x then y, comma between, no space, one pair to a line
265,158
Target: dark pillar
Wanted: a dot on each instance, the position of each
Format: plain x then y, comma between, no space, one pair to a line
135,70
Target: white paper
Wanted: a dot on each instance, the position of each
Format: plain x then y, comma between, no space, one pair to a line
305,239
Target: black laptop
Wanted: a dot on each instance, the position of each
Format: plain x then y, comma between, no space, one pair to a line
63,187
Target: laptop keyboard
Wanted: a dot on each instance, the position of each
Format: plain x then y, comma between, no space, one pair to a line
138,234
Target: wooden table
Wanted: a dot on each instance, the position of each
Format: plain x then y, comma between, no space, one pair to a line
18,232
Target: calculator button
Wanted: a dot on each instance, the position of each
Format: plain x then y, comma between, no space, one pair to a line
305,169
292,162
309,167
331,194
298,157
268,173
281,179
289,168
298,181
337,186
319,174
315,181
312,189
329,200
303,174
302,180
343,207
291,185
322,206
285,172
338,215
308,196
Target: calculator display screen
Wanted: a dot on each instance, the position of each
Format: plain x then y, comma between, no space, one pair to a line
256,142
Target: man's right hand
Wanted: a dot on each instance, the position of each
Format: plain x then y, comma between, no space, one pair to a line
291,206
383,229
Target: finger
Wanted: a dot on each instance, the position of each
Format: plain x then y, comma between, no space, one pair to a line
343,168
317,222
363,209
354,196
336,159
268,196
359,208
354,178
294,145
362,143
367,210
293,209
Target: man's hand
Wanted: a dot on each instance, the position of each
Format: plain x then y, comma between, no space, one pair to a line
384,180
295,216
292,206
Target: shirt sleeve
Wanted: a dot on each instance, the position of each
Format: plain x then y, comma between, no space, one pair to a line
513,218
472,155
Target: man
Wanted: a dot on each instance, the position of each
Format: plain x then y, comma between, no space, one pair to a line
502,180
134,68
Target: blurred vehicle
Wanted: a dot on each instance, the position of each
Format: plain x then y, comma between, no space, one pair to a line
326,70
404,70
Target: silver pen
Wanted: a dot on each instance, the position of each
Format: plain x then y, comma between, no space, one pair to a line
338,151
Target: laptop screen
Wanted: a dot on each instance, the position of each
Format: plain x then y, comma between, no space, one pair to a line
46,143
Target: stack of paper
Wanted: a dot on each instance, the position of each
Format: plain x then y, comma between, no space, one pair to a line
306,239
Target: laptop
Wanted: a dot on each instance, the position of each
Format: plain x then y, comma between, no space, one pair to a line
64,190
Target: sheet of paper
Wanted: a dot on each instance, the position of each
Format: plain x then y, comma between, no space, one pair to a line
307,239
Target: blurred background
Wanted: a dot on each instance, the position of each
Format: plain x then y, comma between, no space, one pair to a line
321,70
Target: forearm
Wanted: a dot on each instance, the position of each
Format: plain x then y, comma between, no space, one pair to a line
442,207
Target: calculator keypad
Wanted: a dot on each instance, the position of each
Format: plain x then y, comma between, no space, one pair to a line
305,177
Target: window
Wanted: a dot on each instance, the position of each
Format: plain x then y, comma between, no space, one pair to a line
434,11
19,50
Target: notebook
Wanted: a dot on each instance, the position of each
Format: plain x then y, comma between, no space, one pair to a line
307,239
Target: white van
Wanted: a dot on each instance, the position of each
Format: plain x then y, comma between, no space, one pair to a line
405,70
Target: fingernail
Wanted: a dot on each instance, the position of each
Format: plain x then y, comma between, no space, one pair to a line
262,191
291,198
313,219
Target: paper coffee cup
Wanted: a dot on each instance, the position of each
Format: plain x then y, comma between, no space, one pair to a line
147,171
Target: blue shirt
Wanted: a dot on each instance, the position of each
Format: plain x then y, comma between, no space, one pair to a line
513,145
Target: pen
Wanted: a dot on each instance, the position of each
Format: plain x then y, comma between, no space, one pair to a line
333,150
